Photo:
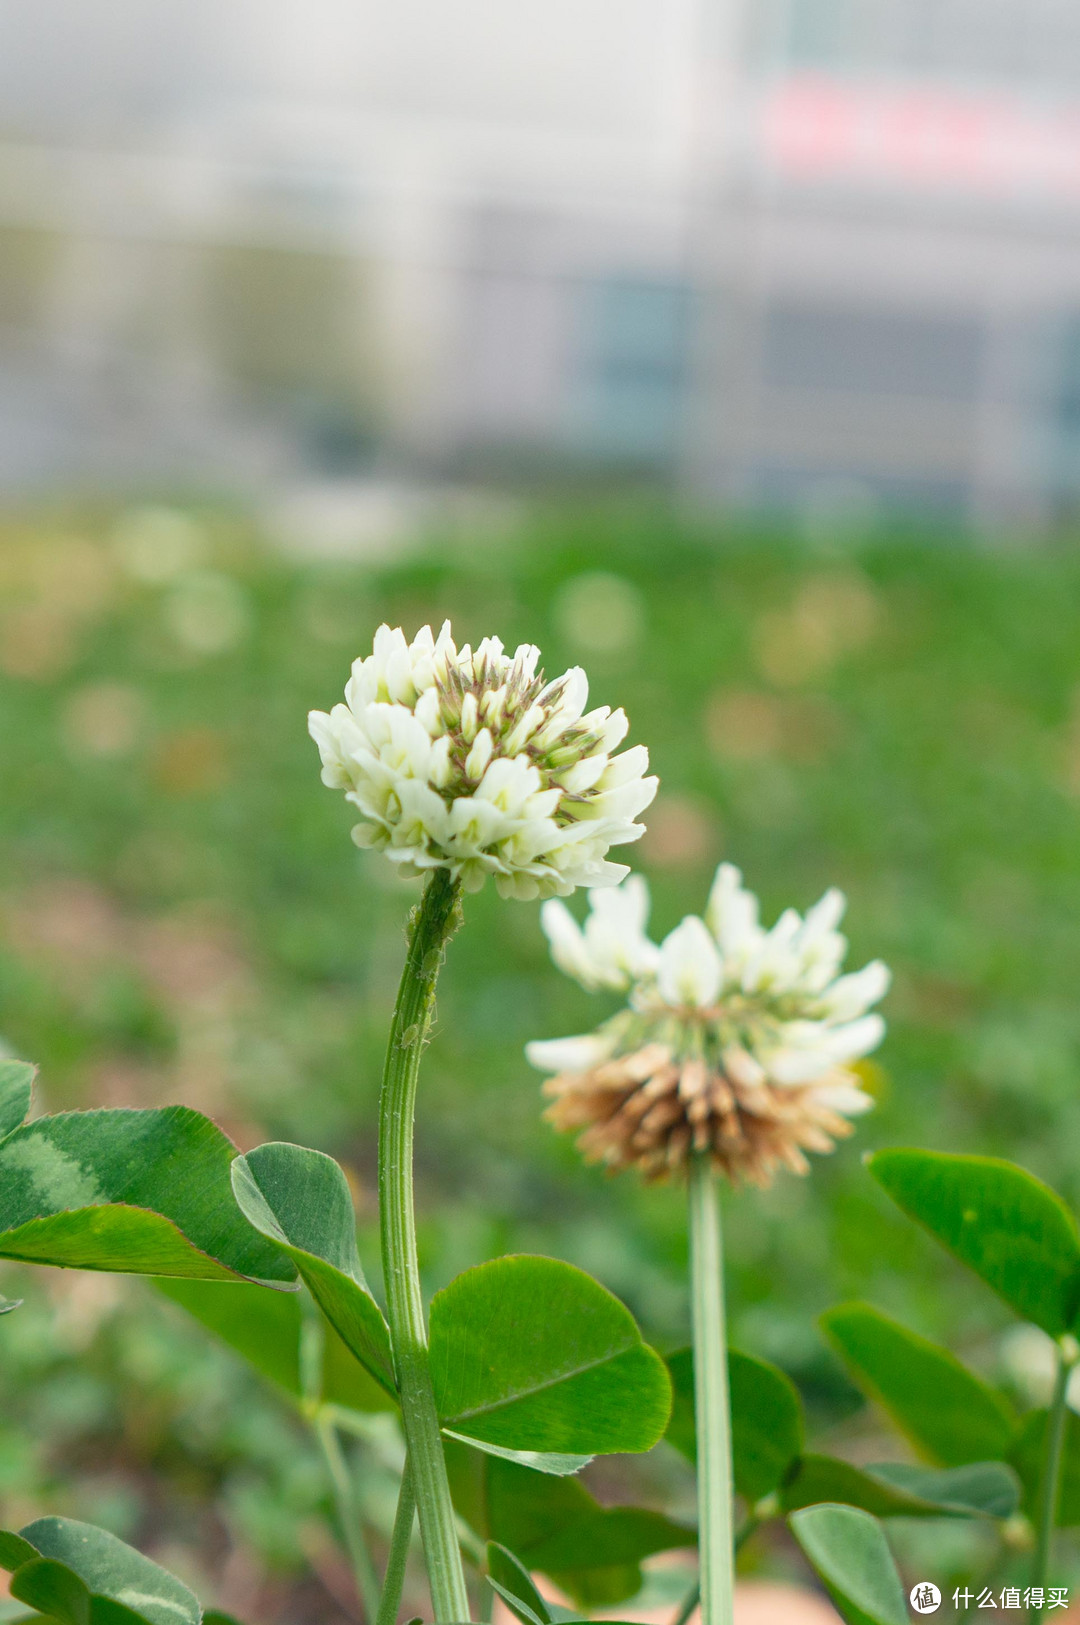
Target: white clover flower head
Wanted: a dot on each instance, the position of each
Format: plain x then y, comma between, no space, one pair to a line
736,1041
468,760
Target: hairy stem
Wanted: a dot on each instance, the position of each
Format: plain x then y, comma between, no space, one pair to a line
1068,1353
711,1399
431,927
394,1578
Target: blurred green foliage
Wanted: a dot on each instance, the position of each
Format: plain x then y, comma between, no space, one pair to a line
183,917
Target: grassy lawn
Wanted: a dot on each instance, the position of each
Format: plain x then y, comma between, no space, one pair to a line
183,916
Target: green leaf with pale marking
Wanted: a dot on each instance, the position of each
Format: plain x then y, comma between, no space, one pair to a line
16,1092
848,1550
142,1192
895,1490
947,1412
1006,1225
533,1354
82,1575
766,1420
299,1199
8,1304
265,1328
113,1569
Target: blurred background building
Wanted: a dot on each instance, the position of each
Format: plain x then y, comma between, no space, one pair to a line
821,254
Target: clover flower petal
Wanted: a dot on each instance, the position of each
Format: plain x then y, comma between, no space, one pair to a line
467,759
690,969
736,1042
612,950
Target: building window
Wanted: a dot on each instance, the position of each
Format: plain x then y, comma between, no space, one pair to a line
630,367
870,352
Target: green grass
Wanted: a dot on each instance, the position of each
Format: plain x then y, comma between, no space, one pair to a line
183,916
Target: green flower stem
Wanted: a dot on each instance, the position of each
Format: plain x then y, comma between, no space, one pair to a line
367,1581
432,925
1068,1354
711,1398
394,1578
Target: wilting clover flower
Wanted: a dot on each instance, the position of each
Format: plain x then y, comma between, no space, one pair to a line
467,760
737,1042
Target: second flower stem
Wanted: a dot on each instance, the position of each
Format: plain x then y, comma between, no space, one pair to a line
433,923
711,1398
394,1577
1068,1354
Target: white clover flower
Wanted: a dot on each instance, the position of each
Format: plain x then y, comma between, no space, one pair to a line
467,760
736,1041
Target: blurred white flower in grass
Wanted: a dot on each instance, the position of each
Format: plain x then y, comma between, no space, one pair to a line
207,613
737,1041
468,760
156,544
1030,1360
103,719
600,612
